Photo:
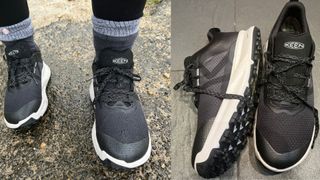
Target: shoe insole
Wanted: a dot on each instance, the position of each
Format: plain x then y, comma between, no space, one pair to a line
292,25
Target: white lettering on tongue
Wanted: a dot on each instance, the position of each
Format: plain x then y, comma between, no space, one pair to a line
120,60
294,45
13,52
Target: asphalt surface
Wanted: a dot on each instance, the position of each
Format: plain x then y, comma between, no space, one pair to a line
60,146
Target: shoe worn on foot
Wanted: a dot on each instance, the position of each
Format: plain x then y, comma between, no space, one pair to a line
222,75
120,132
25,98
286,121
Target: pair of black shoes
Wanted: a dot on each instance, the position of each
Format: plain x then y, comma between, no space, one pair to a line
236,89
120,134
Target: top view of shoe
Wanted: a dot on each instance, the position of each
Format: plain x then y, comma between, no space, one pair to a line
223,77
25,98
286,120
120,133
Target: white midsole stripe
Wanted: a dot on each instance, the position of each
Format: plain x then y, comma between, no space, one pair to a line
239,81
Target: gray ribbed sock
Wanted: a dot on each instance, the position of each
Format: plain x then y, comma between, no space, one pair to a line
114,35
17,31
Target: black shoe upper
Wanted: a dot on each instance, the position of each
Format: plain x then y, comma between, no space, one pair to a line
286,117
23,93
207,73
120,122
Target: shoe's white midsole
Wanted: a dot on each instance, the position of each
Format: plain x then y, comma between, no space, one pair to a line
104,155
45,76
239,81
258,154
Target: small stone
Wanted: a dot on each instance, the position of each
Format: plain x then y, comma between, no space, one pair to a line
163,166
30,141
151,93
166,75
43,147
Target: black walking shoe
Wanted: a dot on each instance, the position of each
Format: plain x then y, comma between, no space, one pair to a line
120,132
25,98
223,76
286,121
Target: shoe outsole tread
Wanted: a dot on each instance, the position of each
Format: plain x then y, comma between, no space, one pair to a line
234,139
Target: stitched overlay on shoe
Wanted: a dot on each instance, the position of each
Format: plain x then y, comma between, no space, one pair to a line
190,83
287,79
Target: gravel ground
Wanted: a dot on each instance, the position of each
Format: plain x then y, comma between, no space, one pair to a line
60,146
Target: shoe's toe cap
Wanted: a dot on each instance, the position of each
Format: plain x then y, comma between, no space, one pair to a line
275,160
15,116
128,152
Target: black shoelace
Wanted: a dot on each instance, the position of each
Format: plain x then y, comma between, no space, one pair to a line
279,90
21,70
190,83
122,85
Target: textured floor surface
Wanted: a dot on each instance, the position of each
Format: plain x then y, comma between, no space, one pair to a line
191,19
60,146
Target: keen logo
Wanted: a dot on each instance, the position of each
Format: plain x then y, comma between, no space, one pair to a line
13,52
294,45
120,61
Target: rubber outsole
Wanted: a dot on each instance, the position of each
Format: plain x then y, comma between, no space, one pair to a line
234,139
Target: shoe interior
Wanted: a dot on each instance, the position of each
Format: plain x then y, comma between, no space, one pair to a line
291,25
292,22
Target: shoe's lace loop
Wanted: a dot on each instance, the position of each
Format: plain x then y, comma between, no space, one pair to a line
21,70
119,91
190,83
279,90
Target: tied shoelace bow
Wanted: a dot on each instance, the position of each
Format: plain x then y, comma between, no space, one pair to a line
190,83
21,70
293,94
115,76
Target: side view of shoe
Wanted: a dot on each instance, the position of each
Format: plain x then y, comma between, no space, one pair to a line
223,77
25,98
286,120
120,133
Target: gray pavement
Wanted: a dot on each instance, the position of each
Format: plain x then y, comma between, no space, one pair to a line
191,19
60,146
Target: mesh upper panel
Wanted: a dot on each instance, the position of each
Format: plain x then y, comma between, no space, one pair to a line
285,132
125,124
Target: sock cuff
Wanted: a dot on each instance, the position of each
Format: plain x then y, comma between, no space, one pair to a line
17,31
115,28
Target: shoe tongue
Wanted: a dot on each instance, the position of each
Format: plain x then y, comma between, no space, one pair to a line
296,45
293,44
121,59
18,51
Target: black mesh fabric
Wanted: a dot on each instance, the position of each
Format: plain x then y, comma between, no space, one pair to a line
125,124
214,75
121,120
285,132
17,97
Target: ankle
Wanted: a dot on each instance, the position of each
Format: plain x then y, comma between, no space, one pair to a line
28,43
